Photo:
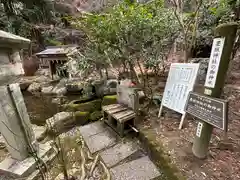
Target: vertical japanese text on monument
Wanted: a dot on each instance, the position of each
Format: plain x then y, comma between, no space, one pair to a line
214,62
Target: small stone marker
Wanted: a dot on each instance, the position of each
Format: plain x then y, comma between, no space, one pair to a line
208,109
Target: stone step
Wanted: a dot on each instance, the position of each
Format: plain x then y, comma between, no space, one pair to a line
119,152
92,129
20,169
140,169
98,136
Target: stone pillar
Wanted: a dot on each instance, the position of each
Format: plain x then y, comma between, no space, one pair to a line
15,125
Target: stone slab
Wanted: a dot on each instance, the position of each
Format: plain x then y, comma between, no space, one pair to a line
92,129
101,140
119,152
140,169
23,168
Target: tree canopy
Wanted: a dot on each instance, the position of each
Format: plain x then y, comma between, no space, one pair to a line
128,33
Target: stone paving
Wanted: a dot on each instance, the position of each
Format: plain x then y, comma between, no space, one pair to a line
124,157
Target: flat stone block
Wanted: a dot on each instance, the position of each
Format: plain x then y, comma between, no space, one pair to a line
93,128
101,140
119,152
23,168
140,169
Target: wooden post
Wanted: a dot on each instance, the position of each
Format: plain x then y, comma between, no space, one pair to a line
201,142
50,68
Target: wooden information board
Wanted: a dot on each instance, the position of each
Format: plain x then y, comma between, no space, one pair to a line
180,82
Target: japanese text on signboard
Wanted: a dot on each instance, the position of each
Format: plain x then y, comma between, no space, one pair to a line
210,110
180,82
214,62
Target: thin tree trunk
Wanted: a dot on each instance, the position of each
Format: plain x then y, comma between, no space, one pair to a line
106,72
133,73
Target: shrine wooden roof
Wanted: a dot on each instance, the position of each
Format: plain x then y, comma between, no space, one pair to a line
56,51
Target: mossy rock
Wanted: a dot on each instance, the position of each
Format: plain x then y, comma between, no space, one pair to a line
96,116
81,118
91,106
62,125
107,100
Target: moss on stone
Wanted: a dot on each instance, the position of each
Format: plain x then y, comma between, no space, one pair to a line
81,118
96,116
158,154
90,106
107,100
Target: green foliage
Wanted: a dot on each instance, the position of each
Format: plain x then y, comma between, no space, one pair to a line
18,15
213,13
128,32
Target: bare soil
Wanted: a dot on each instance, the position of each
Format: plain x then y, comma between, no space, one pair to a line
223,160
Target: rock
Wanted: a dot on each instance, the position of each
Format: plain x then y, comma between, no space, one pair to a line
47,90
141,97
81,118
202,68
90,106
43,72
225,146
98,86
42,79
63,121
57,100
74,86
161,85
107,100
61,91
34,87
60,88
96,116
2,145
24,85
38,131
157,99
110,87
58,117
112,83
2,142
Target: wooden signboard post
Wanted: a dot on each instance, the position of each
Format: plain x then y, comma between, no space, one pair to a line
217,69
180,82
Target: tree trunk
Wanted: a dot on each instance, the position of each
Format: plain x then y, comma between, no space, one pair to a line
133,74
106,72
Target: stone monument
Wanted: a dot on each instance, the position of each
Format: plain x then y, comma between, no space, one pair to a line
19,137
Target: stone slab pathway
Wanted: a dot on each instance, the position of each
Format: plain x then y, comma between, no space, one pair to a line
124,157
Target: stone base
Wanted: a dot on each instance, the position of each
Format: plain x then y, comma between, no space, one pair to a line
27,168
